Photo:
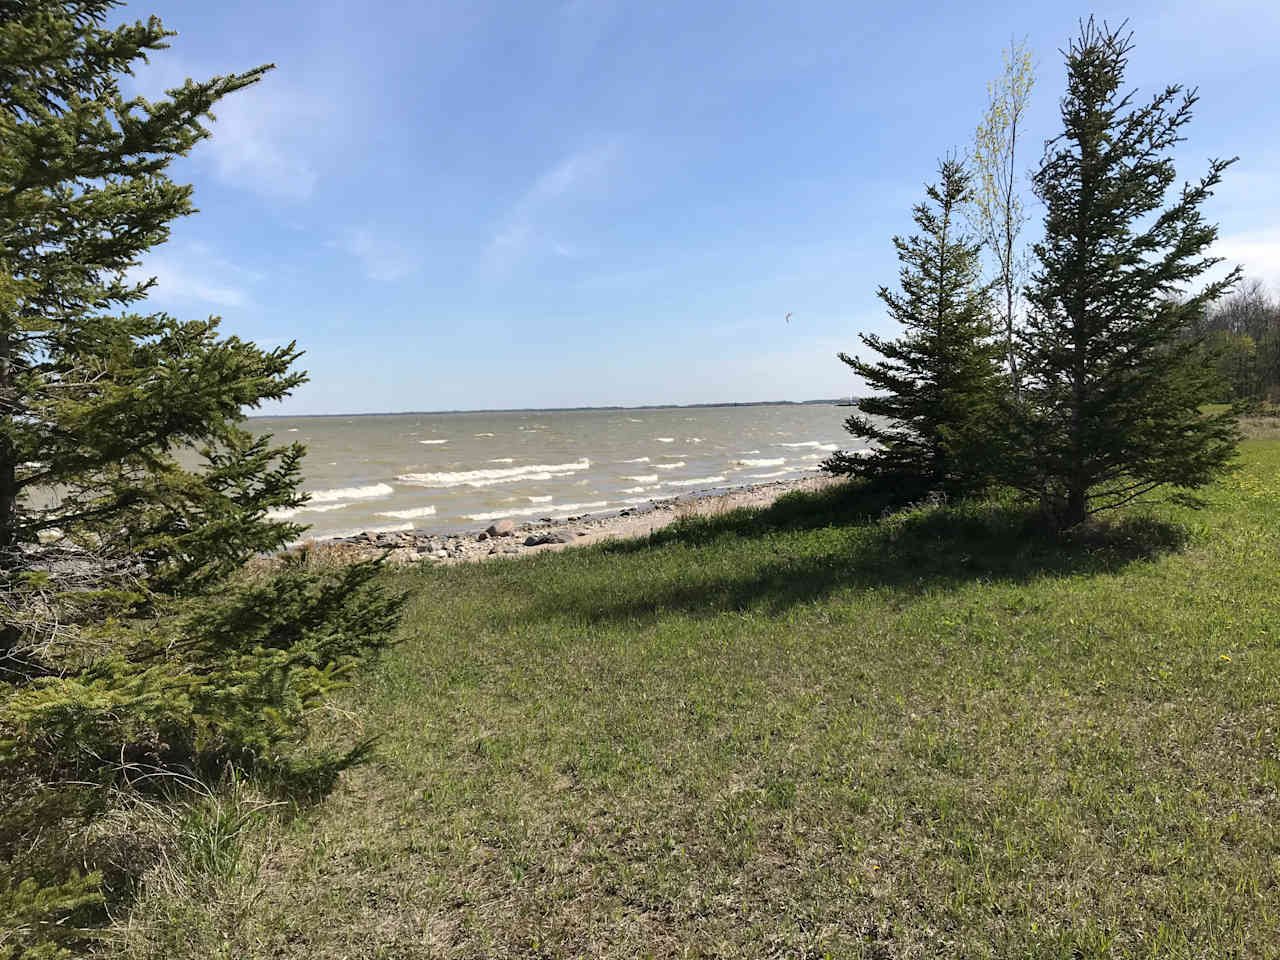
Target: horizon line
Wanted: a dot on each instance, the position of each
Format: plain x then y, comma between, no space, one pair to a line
642,406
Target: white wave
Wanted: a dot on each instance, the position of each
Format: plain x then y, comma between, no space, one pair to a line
413,514
504,460
638,500
478,484
641,489
636,460
692,439
293,429
539,499
456,478
394,528
561,510
694,483
665,439
669,466
811,443
747,453
351,493
285,513
767,476
433,441
484,434
634,420
774,462
645,478
814,456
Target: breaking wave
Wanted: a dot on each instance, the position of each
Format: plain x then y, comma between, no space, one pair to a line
484,478
669,466
695,482
564,509
413,514
351,493
811,443
286,513
393,528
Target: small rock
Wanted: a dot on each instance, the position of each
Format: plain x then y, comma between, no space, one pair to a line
481,537
510,549
502,528
532,541
492,551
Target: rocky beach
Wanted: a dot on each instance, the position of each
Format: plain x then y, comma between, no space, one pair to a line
509,537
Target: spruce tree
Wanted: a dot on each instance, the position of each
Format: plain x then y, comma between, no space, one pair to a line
940,384
130,492
1112,386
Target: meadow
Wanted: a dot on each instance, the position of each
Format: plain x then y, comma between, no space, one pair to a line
828,728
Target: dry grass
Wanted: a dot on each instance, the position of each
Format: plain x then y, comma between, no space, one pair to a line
1257,428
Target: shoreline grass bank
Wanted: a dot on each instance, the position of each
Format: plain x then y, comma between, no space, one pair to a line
798,732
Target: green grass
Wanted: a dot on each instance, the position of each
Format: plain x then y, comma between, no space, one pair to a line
804,732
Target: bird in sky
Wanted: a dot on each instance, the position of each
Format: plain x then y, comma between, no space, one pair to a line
788,318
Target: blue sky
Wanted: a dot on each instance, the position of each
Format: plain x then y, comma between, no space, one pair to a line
481,205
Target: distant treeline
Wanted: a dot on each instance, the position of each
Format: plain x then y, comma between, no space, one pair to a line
1242,332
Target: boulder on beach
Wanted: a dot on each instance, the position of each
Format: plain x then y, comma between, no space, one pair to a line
538,539
501,528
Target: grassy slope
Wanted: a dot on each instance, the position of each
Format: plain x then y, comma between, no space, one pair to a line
767,736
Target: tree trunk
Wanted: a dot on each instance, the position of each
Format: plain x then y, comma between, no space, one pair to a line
8,459
1077,509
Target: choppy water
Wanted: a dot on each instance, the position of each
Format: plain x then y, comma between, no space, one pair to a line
459,471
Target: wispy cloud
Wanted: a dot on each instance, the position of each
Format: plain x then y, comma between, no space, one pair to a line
523,230
192,274
258,141
1257,251
381,258
265,138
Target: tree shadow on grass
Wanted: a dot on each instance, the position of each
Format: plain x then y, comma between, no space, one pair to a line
869,540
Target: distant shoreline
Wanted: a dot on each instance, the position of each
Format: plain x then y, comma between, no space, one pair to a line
836,401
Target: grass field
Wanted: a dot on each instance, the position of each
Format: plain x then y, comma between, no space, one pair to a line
802,732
